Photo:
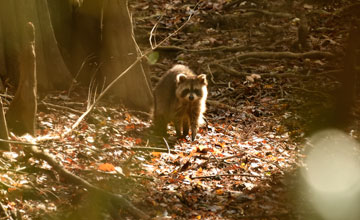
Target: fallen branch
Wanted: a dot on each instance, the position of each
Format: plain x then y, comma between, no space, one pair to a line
264,216
230,70
156,149
272,14
61,107
18,142
222,105
233,72
280,55
205,50
348,9
318,93
234,20
221,175
115,199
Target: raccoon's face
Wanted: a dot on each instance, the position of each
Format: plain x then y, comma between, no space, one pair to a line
191,88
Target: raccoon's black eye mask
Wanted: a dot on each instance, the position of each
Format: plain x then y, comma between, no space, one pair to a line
185,92
197,92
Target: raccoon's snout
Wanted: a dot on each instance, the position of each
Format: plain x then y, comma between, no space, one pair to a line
191,97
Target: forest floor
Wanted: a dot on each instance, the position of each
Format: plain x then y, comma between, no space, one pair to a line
245,161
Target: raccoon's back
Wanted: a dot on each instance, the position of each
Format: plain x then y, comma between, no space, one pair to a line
168,80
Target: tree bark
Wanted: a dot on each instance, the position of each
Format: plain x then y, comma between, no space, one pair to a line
118,52
22,110
85,40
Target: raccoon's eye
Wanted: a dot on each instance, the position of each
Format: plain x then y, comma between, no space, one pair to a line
185,92
198,92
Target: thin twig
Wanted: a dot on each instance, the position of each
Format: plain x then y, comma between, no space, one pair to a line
167,145
61,107
90,56
7,96
152,33
212,76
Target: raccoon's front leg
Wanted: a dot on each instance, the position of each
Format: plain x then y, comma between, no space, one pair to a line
185,125
194,127
178,126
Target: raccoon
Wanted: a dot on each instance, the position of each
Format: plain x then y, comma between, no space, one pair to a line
180,97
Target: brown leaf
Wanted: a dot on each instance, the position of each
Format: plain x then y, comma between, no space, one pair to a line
107,167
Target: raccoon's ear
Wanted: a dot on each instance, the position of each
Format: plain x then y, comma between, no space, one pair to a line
202,79
180,78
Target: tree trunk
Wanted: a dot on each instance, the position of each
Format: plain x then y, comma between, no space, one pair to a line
100,29
103,29
118,51
2,57
51,69
11,39
86,40
21,113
